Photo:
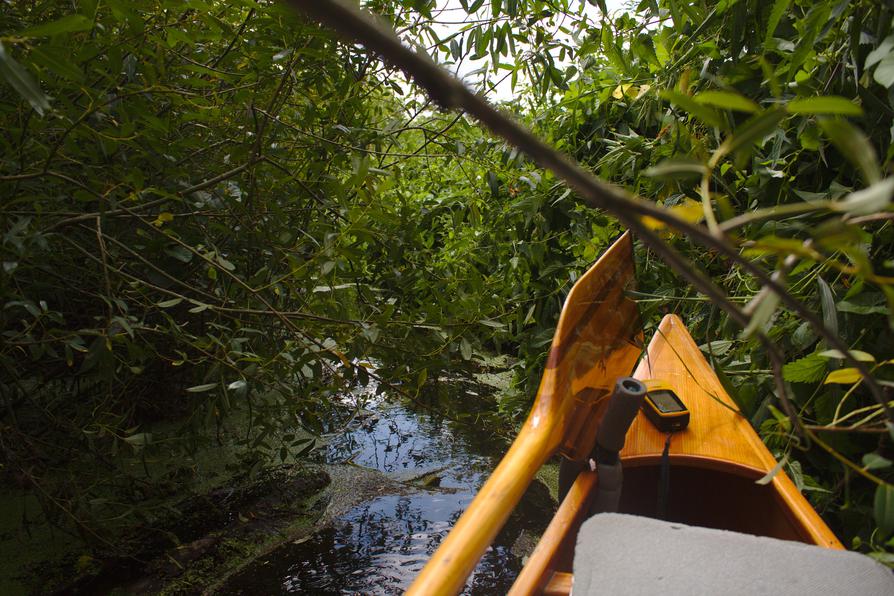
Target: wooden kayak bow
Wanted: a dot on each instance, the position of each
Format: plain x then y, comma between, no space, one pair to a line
715,461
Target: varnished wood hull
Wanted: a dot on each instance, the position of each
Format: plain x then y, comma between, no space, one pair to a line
714,465
721,442
714,462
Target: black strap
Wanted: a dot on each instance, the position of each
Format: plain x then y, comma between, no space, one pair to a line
664,479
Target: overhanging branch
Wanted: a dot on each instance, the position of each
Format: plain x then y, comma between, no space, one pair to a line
451,93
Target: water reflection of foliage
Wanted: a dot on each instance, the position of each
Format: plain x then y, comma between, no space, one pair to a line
378,548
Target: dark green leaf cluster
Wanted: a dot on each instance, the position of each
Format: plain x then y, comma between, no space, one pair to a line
214,210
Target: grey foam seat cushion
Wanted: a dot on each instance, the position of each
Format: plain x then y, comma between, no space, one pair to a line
625,554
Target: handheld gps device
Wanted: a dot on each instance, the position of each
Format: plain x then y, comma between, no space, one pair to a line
664,408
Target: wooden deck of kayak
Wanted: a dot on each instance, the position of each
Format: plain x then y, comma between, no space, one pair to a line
714,462
718,439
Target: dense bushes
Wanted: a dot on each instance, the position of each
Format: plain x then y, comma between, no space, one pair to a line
209,206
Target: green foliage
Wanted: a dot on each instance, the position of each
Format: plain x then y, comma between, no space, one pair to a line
157,227
214,206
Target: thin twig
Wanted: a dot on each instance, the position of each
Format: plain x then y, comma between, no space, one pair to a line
876,430
105,267
234,40
183,193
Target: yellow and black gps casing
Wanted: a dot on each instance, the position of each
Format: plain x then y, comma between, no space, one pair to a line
664,408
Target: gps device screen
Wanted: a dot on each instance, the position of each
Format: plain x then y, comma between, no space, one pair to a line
665,401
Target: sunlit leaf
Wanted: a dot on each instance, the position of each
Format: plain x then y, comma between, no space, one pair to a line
68,24
854,146
238,386
688,210
768,477
856,354
225,263
827,306
717,347
754,130
861,309
810,138
884,72
51,58
677,168
706,114
884,49
201,388
727,100
845,376
816,19
874,461
180,253
824,105
465,349
809,369
779,8
766,305
625,89
163,218
139,439
493,324
869,200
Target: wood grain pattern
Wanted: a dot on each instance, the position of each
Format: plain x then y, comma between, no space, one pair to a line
716,431
718,437
718,441
559,584
544,560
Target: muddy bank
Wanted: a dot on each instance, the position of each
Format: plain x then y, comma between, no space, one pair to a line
202,532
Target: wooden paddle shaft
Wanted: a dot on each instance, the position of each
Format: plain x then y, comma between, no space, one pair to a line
457,556
594,344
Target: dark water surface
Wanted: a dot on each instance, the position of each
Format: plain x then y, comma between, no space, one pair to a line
379,546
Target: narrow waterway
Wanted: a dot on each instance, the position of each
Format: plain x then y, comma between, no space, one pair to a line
379,545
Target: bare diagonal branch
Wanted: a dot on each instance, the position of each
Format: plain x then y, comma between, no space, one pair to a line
451,93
